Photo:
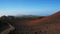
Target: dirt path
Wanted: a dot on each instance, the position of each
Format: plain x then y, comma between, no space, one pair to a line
8,30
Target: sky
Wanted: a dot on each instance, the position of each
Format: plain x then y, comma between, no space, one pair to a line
29,7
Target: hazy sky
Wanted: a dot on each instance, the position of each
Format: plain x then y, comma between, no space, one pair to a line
29,7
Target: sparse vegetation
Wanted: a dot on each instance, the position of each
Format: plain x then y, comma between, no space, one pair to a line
13,20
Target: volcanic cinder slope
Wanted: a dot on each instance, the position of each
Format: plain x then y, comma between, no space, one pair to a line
47,25
52,18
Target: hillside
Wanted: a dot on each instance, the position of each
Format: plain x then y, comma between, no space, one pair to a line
47,25
18,21
34,24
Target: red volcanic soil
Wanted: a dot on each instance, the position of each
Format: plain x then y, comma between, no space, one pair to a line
50,19
46,25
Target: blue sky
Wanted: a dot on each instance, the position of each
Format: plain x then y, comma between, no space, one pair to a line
29,7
